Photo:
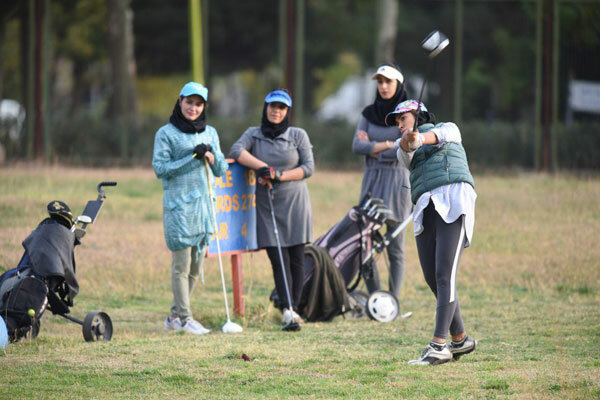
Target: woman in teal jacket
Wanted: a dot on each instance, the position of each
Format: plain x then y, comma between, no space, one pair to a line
180,148
442,190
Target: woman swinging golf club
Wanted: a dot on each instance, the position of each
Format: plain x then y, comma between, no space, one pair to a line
282,156
442,190
180,148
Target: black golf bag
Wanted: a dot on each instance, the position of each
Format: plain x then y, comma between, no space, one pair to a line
44,279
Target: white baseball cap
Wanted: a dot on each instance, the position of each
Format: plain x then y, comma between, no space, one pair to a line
389,72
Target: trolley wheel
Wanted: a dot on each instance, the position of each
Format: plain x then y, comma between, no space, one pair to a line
383,306
97,326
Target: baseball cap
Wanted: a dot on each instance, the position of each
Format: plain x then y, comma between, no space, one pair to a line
405,106
389,72
279,96
192,88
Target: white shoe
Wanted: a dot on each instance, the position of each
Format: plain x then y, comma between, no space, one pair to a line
432,356
192,326
173,324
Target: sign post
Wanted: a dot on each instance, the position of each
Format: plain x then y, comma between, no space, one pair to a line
236,222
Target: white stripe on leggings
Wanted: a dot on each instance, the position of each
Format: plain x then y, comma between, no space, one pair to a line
455,263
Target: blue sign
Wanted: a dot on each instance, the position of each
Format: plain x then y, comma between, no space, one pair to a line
236,211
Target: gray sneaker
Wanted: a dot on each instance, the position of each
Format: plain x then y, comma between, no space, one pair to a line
432,356
465,346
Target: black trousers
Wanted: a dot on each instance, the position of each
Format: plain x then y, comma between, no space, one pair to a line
293,258
440,246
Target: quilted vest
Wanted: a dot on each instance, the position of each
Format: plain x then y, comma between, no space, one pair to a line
433,166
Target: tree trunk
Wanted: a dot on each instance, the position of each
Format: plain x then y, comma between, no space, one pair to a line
122,102
388,24
122,58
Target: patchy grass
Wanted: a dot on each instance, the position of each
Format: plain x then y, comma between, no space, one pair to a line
529,289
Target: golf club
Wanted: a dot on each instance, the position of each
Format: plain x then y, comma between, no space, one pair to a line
434,43
228,327
293,325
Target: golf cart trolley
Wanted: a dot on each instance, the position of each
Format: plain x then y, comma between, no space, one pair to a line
45,277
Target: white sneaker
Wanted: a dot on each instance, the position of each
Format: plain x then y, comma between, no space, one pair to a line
192,326
173,324
432,356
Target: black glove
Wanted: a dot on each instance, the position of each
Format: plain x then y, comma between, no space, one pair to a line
269,173
201,149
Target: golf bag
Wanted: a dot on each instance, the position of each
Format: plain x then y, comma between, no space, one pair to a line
347,251
44,279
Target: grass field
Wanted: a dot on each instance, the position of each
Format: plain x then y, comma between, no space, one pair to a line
529,289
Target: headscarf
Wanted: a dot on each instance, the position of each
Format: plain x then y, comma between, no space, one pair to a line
375,113
268,128
184,124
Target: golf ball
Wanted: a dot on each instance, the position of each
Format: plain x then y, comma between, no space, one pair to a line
31,312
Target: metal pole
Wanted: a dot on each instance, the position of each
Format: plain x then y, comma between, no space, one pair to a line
458,54
547,86
45,81
196,40
299,68
30,77
282,42
538,87
37,101
555,70
290,49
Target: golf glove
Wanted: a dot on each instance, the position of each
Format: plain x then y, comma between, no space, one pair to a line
269,173
201,149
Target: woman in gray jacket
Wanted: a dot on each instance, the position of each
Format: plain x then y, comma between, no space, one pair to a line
282,156
384,176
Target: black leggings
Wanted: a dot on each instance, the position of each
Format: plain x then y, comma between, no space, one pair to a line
293,258
440,246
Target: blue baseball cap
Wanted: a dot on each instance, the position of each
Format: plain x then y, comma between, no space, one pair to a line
192,88
279,96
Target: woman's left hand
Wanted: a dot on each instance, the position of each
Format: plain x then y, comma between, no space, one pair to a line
210,157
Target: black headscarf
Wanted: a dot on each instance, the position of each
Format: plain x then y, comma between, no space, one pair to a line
184,124
376,112
270,129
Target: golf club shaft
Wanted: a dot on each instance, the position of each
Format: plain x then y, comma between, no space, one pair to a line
287,288
429,62
214,215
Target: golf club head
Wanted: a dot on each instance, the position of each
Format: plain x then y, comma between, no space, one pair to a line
434,43
231,327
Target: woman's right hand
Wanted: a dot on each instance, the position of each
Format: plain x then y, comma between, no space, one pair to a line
264,182
408,139
210,157
362,136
